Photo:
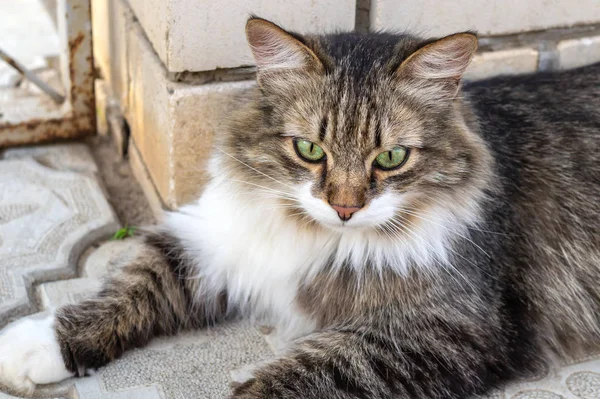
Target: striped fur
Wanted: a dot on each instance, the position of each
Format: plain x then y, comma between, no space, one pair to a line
464,268
150,296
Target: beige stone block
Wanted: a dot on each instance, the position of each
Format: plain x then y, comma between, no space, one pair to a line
111,20
575,53
144,180
203,35
492,17
513,61
173,124
148,112
198,114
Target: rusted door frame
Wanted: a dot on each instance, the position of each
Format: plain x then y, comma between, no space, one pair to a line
78,117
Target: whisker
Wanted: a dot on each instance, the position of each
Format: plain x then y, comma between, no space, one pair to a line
386,230
455,252
437,202
252,168
423,240
447,228
285,200
282,193
408,232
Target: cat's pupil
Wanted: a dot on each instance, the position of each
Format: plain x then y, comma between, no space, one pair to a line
390,155
312,148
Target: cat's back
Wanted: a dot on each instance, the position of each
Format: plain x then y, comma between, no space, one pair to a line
529,108
543,131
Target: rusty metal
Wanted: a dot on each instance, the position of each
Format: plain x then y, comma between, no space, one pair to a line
57,97
76,117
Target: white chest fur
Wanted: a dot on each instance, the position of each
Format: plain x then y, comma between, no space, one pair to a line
252,250
246,244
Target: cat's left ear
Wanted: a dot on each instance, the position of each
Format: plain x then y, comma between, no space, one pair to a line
441,62
278,52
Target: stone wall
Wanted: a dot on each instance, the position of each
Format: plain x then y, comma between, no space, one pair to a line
176,67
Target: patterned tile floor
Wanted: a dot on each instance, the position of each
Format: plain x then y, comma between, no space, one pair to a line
52,207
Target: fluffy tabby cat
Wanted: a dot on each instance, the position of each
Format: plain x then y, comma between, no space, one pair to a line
408,238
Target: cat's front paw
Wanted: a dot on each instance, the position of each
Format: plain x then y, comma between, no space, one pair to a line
30,355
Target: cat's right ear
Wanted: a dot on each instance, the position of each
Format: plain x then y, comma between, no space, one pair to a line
278,53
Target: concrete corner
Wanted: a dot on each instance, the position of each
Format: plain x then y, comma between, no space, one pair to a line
140,172
172,124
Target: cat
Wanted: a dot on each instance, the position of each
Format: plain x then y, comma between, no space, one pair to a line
407,235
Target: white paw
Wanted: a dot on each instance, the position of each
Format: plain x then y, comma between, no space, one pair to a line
30,355
247,372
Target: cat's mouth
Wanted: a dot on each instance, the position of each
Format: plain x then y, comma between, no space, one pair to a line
363,219
375,213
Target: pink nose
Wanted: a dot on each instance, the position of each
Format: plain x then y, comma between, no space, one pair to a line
345,212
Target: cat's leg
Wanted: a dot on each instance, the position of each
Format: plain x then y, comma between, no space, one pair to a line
156,294
371,364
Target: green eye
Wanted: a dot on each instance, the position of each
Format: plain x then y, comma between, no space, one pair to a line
392,159
308,150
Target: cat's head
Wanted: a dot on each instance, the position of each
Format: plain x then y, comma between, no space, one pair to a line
355,131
